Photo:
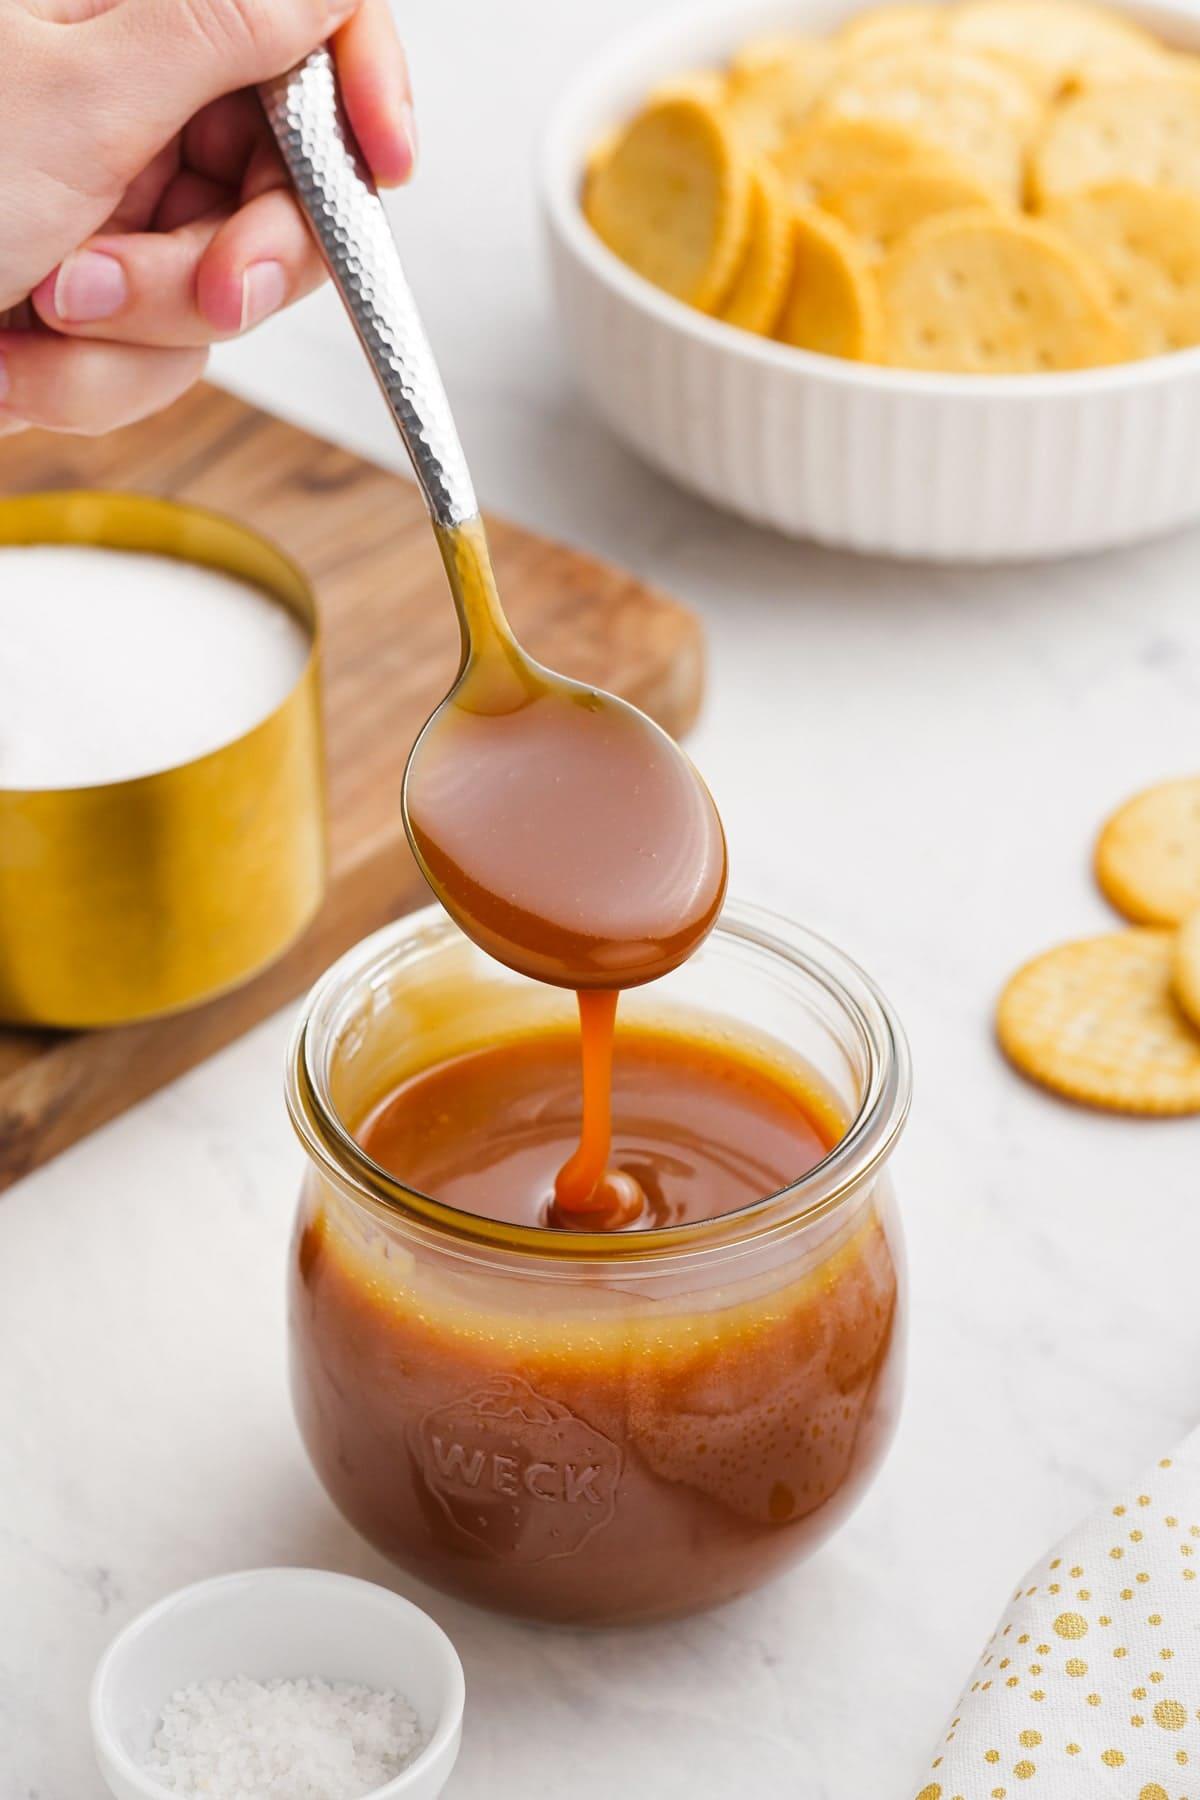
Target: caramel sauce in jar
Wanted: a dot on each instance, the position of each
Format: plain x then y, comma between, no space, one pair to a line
611,1426
703,1128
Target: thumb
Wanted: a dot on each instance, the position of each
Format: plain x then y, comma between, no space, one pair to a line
160,61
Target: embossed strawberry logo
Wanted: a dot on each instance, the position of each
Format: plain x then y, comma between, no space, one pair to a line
521,1475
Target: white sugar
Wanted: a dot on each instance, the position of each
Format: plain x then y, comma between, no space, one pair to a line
281,1740
115,664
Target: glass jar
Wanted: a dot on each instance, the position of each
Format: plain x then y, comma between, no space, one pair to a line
583,1427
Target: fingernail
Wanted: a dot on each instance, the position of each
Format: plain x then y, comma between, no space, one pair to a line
5,383
408,125
264,289
89,286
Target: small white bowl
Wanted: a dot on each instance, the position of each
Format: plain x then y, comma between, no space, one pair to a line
268,1622
890,461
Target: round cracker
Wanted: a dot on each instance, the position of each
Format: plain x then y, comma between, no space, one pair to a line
758,289
768,99
1179,65
1097,1021
967,106
1148,854
692,84
989,294
1102,71
827,152
832,304
1185,967
1064,41
672,199
886,27
1147,130
1145,243
602,148
884,205
764,52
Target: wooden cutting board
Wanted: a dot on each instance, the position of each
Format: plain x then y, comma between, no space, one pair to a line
390,652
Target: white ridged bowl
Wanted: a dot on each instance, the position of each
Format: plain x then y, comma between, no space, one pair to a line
888,461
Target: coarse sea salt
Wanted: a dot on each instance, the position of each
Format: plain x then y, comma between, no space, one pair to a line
309,1739
115,664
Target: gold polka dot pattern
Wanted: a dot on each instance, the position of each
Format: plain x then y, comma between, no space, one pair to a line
1089,1688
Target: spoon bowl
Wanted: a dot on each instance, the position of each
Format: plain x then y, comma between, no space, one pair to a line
565,833
562,829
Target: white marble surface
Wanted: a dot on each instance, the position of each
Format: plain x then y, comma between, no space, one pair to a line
913,762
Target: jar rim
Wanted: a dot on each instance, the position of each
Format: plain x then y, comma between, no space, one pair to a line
828,1186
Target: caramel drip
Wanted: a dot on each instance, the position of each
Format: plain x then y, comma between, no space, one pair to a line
588,1195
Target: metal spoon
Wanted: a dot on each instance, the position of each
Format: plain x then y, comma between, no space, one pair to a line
562,829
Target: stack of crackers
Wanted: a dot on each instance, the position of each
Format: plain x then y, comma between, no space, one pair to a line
1114,1021
997,186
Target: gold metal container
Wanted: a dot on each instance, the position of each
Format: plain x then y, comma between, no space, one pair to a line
139,897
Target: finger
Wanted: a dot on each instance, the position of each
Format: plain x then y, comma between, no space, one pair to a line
374,79
190,197
263,258
263,172
88,388
139,288
140,201
209,279
227,134
166,59
222,137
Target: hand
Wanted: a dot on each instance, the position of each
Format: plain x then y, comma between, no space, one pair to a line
144,211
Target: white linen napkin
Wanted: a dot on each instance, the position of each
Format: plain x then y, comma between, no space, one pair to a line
1089,1688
